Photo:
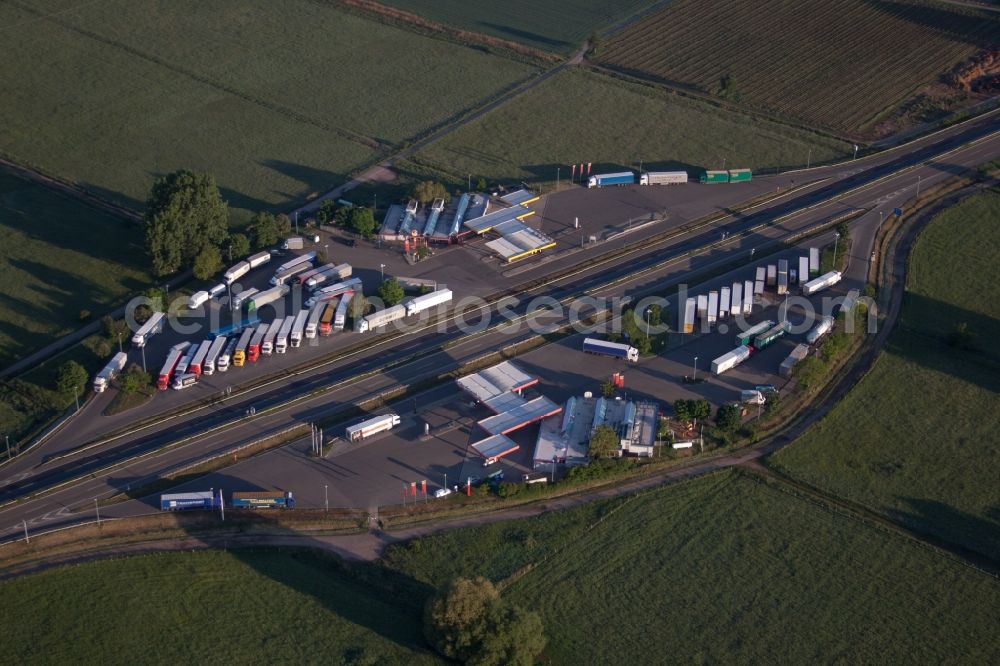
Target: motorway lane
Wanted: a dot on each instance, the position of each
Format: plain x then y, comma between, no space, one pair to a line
884,193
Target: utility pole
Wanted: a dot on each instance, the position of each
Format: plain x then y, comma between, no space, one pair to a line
8,446
76,394
222,506
326,498
918,186
97,510
836,239
446,480
119,342
296,230
694,373
557,179
26,539
381,270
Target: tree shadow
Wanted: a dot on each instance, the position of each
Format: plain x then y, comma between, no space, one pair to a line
526,35
975,538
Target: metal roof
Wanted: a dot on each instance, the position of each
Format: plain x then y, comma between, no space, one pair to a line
520,416
486,222
522,197
503,402
393,217
508,376
495,446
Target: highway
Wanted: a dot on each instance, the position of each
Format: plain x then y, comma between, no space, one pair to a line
881,181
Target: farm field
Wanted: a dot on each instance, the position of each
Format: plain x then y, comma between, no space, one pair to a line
234,608
56,260
723,569
916,439
550,25
806,61
278,101
577,116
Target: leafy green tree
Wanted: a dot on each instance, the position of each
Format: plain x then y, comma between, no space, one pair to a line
727,417
239,245
71,379
363,221
264,230
358,306
728,89
682,410
157,298
468,621
810,371
283,224
844,230
184,214
135,380
429,190
607,388
654,315
700,409
481,184
594,43
325,211
207,263
604,443
390,291
342,218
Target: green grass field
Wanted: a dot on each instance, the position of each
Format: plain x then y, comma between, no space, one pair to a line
278,101
916,439
550,25
723,570
807,61
581,116
58,257
244,608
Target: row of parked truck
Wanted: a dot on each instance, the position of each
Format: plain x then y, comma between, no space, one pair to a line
667,177
210,499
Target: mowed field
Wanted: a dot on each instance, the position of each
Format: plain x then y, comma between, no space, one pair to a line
723,569
840,65
551,25
278,100
917,438
579,116
231,608
59,256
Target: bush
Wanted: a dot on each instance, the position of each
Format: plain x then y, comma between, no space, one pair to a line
135,380
727,417
239,245
71,380
604,442
391,292
810,371
84,315
207,263
427,191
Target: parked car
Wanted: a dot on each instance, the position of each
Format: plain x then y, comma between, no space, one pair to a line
349,242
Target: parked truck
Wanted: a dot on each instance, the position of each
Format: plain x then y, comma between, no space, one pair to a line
234,328
236,271
747,336
824,281
259,259
338,272
226,357
713,307
253,349
286,276
703,307
308,257
824,326
326,320
427,301
381,318
281,340
217,290
782,277
340,316
770,335
772,275
663,178
240,352
294,243
263,500
786,367
312,324
687,315
716,176
298,328
182,366
736,304
196,366
724,300
730,359
813,261
242,297
218,344
184,381
615,349
205,499
152,326
606,179
265,297
748,289
173,359
803,270
103,378
740,175
372,426
197,299
267,344
354,284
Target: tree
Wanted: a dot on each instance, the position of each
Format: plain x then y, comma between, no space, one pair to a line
429,190
594,43
326,210
342,218
470,622
135,380
283,223
264,230
682,410
810,371
844,230
728,89
363,221
607,388
390,291
358,306
184,214
207,263
604,443
71,379
239,245
654,315
727,417
481,184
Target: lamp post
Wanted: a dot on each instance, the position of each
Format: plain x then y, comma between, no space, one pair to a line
557,179
381,270
326,498
97,510
694,372
836,240
76,394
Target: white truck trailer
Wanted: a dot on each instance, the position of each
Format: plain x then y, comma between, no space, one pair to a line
814,261
298,328
312,324
372,426
730,360
226,357
208,367
724,302
340,316
197,299
236,271
822,282
103,378
267,344
338,272
381,318
259,259
748,289
427,301
713,306
152,326
242,297
281,340
687,315
819,330
615,349
663,178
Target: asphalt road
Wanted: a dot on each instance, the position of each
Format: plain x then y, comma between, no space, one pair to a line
875,185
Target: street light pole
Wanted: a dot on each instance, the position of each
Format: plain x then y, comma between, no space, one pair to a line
296,227
836,239
381,270
119,342
809,158
76,394
918,186
557,179
8,446
97,510
326,498
694,373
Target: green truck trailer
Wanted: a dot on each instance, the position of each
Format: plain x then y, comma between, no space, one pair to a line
714,177
740,175
770,335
